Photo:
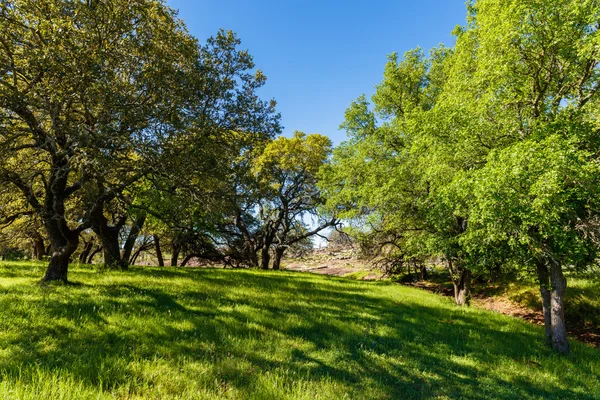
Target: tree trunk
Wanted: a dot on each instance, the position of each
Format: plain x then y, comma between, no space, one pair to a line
278,256
85,253
109,237
97,250
161,261
423,270
560,342
110,247
175,255
39,250
461,280
265,257
63,246
186,259
544,280
250,250
136,255
462,288
136,227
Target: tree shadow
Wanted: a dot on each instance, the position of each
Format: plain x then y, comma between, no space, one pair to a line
336,329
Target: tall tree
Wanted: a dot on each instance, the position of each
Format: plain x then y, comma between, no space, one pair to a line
288,171
86,88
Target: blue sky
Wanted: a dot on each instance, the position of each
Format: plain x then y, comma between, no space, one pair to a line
320,55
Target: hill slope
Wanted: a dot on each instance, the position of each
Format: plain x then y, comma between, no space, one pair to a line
208,333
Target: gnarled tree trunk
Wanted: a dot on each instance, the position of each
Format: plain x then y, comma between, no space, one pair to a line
109,237
64,244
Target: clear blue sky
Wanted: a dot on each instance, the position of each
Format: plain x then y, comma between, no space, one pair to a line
318,56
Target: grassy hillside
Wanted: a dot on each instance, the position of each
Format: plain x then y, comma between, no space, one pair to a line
163,333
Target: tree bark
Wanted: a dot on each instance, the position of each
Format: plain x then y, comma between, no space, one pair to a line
39,250
110,246
64,244
423,270
85,253
265,257
560,342
175,255
161,261
109,237
97,250
136,227
278,256
461,281
249,249
186,259
462,288
544,280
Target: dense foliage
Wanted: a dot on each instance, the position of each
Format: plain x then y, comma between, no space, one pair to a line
485,155
121,134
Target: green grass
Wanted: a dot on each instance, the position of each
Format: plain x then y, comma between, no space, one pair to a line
202,334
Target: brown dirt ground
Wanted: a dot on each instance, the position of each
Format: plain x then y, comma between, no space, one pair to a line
332,267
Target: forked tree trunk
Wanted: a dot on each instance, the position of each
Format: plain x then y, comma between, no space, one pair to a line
161,261
544,281
250,250
278,256
253,257
560,342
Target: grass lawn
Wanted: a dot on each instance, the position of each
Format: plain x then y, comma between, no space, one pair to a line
155,333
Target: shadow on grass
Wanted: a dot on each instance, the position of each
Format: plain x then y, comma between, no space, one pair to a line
334,329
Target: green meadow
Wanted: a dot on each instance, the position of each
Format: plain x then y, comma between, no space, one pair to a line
153,333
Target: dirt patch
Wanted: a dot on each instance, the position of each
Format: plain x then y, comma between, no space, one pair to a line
332,268
325,262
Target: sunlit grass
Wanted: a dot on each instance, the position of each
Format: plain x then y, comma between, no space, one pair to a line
202,334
